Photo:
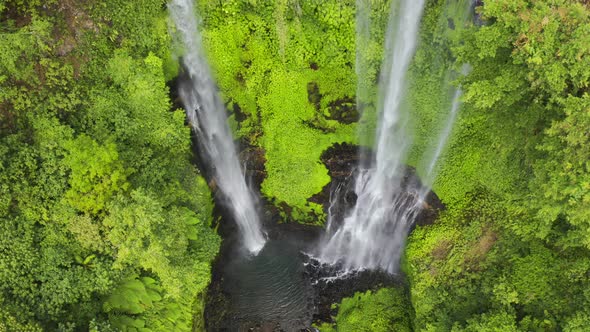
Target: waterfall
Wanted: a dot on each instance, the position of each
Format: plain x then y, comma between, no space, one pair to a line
206,114
442,140
430,173
373,235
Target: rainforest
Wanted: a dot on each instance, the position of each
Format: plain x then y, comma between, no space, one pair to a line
294,165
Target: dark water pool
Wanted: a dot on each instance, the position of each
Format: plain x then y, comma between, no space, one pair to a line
280,289
271,288
271,291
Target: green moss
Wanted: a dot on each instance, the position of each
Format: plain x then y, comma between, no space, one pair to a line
264,58
326,327
387,309
292,147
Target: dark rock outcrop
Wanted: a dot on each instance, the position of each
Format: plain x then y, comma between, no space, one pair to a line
342,161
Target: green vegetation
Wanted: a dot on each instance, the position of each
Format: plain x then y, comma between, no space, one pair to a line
387,309
104,222
511,252
286,66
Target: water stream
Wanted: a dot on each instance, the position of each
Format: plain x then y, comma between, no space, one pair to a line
389,195
373,235
445,133
208,119
430,173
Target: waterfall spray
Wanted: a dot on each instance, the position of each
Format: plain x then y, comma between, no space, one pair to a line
433,158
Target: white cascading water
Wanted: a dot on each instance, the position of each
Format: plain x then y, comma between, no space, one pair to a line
442,140
208,118
373,235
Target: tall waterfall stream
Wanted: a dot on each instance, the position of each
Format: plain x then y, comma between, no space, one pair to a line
388,199
373,234
207,116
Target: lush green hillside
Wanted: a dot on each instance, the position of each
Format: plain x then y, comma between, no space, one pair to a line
511,252
105,223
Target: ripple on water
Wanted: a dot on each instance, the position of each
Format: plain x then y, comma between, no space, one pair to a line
271,287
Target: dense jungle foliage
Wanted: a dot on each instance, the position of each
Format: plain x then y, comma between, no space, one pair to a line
105,223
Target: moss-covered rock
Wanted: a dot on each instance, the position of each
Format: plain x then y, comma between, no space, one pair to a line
387,309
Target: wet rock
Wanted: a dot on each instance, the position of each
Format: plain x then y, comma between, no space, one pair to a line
343,110
451,23
313,95
430,210
173,88
253,159
331,285
343,161
236,110
477,17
